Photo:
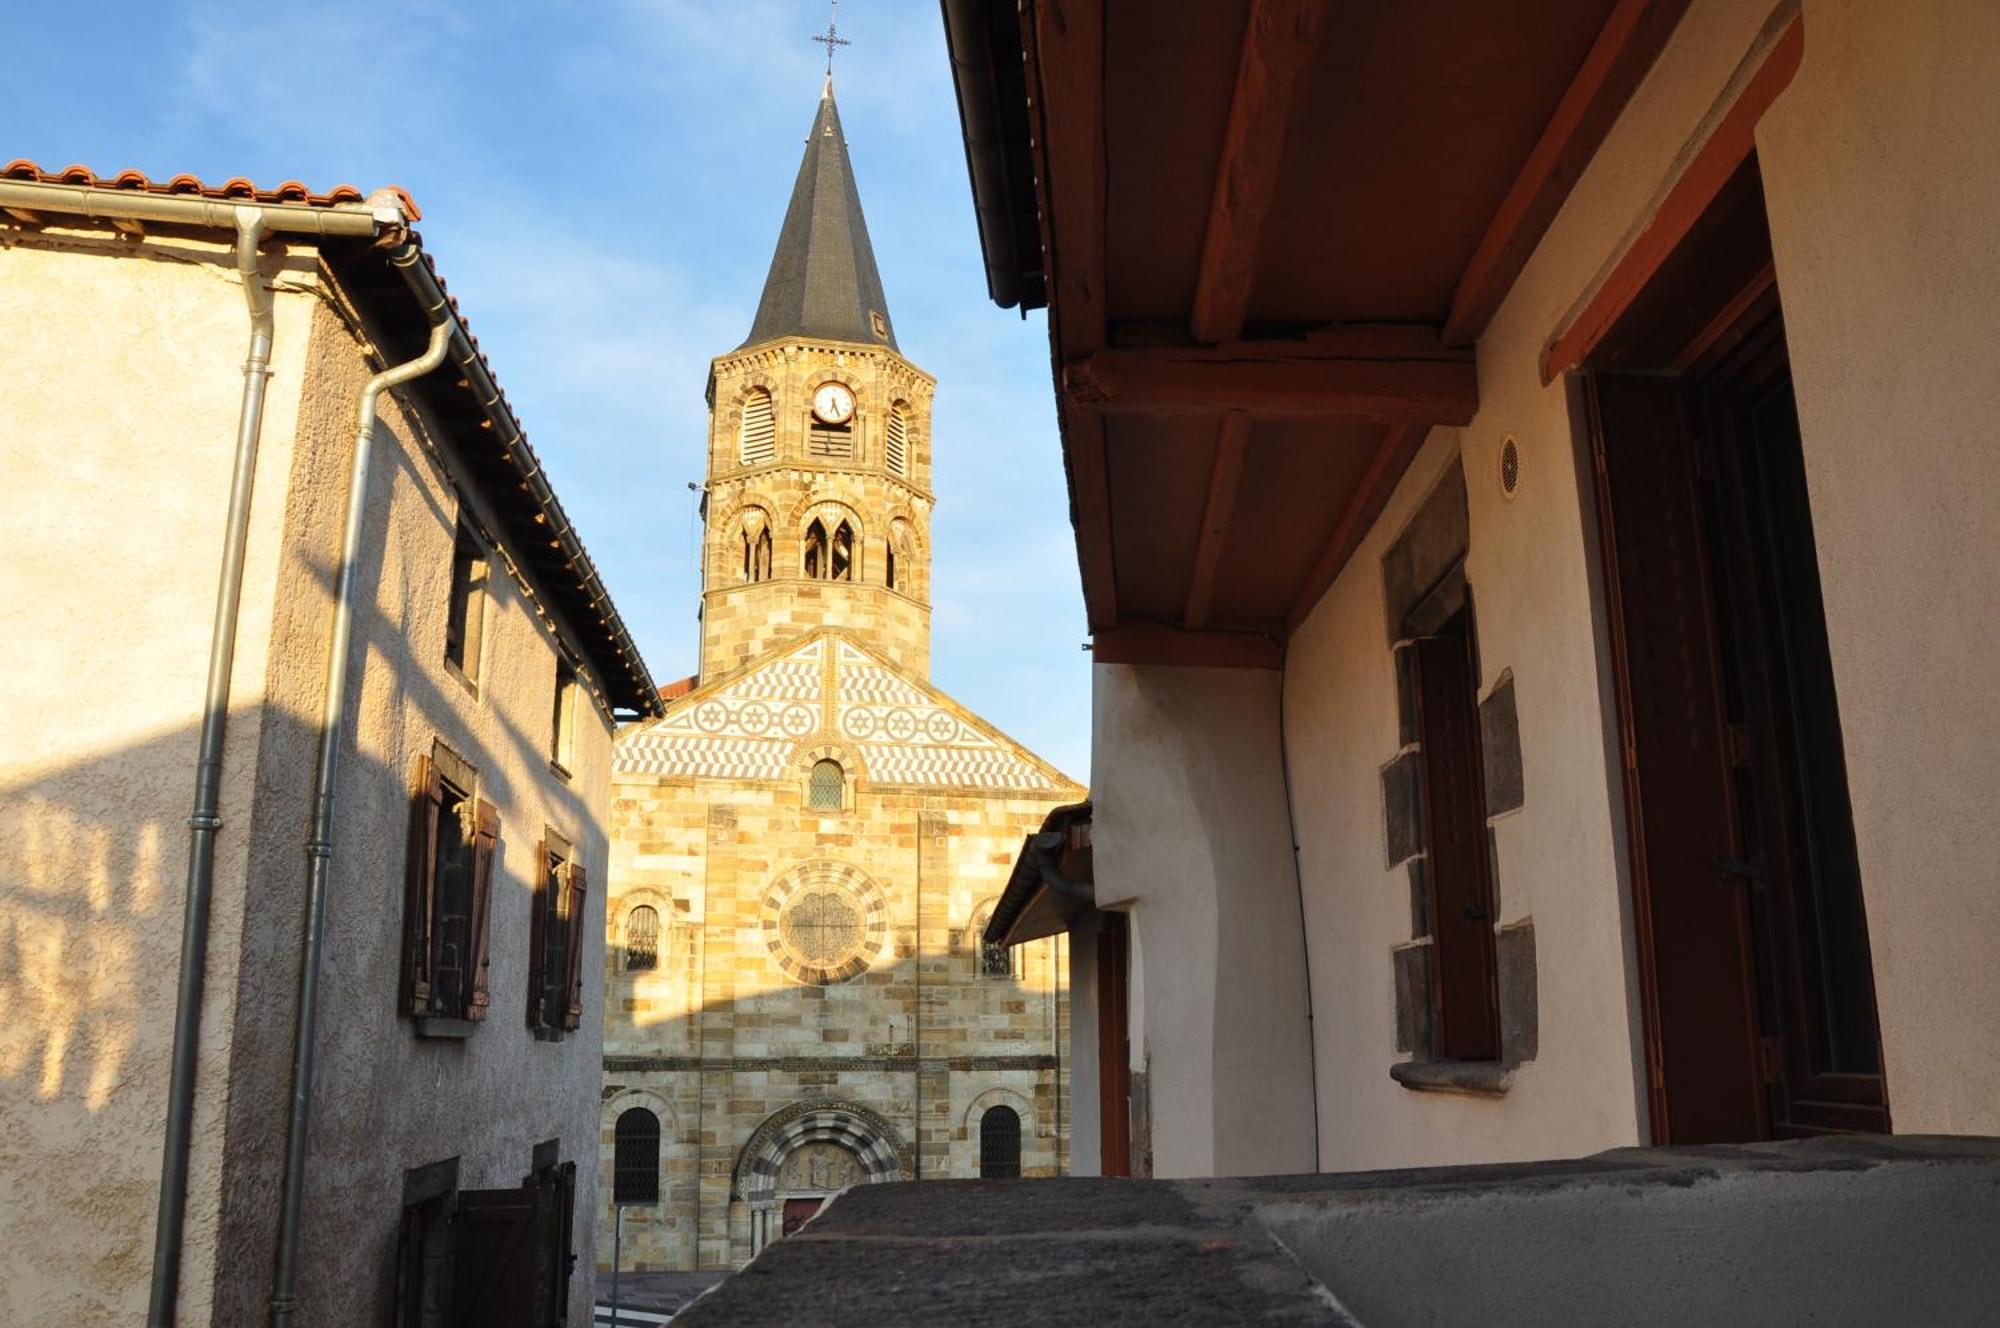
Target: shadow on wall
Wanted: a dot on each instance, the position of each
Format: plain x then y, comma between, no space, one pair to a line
93,863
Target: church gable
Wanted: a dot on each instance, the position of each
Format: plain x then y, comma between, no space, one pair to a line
755,724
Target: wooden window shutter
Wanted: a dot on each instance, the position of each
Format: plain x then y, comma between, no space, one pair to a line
573,934
494,1282
1468,1023
538,929
420,886
485,848
566,1240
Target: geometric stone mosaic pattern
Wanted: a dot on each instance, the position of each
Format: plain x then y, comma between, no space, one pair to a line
828,689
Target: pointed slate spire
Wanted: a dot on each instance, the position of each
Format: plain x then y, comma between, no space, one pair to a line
823,280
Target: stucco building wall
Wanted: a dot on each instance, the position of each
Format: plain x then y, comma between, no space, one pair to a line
1882,176
121,367
387,1101
1189,833
121,362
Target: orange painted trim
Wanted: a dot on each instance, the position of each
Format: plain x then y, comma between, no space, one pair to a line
1626,47
1133,642
1727,148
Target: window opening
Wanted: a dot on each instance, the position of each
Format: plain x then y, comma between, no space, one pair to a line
642,939
635,1169
758,441
1000,1144
889,574
841,567
465,615
828,787
815,557
562,741
755,538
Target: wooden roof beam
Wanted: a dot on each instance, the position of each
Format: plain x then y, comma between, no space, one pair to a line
1279,42
1630,40
1275,380
1139,642
1225,476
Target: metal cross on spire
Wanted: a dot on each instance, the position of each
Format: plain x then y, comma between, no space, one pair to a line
832,38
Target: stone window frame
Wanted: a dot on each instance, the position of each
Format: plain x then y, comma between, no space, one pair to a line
1425,584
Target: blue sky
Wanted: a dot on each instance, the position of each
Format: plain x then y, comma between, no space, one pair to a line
602,183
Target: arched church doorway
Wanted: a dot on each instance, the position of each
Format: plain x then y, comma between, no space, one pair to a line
808,1152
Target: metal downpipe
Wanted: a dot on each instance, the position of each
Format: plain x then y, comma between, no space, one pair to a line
319,843
206,819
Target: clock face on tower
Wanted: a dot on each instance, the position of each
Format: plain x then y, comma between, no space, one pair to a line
833,403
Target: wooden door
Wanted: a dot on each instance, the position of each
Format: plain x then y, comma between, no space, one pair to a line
798,1212
1695,960
497,1268
1114,1053
1798,864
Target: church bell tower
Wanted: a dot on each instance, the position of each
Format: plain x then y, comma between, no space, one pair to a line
819,445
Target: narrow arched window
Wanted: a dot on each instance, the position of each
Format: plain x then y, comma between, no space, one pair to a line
757,443
825,792
899,440
889,567
635,1167
842,566
642,939
815,559
1000,1144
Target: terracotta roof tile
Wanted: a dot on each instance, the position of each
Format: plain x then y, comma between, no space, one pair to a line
236,187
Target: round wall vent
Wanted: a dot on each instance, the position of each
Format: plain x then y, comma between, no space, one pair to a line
1510,467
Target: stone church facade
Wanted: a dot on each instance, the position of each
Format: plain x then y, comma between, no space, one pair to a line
806,847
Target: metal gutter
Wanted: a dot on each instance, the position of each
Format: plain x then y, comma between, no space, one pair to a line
332,736
1035,872
103,204
1013,277
206,819
250,221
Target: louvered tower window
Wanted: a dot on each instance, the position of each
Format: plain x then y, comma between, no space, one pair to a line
759,439
1000,1144
899,441
635,1175
642,939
